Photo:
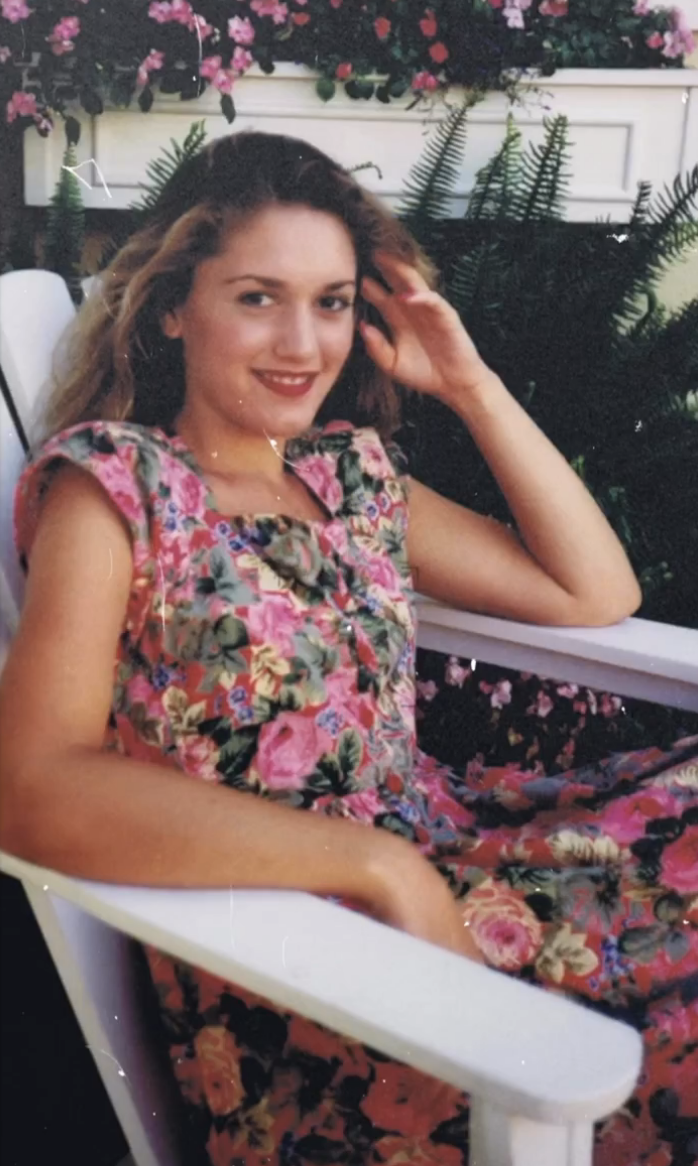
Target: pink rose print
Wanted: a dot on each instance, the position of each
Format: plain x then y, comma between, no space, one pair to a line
505,928
288,750
625,818
319,473
274,622
680,863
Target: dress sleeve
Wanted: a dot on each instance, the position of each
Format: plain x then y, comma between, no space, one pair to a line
118,457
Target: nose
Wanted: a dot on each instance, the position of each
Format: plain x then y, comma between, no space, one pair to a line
296,339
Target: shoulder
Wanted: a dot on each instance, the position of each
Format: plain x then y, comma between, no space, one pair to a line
125,460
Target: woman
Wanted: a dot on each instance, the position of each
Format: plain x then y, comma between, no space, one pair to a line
225,583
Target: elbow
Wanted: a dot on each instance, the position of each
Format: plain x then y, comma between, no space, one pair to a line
611,607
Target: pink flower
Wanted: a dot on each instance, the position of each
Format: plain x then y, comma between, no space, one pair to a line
625,818
274,622
505,928
344,70
501,694
439,52
189,495
680,863
655,40
21,105
5,54
154,61
200,26
61,38
336,3
15,10
642,7
288,750
210,66
455,674
554,8
542,707
425,81
300,18
428,24
319,473
241,30
273,8
382,26
610,705
242,60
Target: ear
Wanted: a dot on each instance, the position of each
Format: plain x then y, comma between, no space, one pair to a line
171,325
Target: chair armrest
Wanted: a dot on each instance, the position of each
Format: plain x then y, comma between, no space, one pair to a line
527,1051
639,658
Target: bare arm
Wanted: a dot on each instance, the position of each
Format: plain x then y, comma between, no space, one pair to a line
70,806
571,567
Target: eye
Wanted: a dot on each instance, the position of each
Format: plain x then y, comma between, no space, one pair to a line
255,299
336,303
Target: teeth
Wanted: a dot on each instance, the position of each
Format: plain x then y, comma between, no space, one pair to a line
286,380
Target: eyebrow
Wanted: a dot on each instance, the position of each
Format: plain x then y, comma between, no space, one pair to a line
269,282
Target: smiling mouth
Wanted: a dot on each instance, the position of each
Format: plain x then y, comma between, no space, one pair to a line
287,384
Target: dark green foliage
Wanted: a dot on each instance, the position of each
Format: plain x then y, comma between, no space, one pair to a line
430,185
568,315
65,229
162,168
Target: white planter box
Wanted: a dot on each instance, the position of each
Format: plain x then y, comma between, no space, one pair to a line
626,125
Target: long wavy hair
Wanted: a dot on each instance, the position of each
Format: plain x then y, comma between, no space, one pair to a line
118,365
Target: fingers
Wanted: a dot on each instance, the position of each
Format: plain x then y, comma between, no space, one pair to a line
402,277
378,347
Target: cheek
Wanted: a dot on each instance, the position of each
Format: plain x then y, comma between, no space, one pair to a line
340,342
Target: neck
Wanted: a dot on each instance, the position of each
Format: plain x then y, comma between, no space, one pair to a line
225,449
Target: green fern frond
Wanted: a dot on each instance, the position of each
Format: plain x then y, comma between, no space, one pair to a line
162,168
640,209
495,183
431,182
543,178
65,228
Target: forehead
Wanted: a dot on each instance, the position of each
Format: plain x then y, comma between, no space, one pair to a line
290,242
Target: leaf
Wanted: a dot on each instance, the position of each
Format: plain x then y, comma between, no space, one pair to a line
430,184
325,88
145,98
349,752
227,108
91,101
72,131
237,753
642,943
677,945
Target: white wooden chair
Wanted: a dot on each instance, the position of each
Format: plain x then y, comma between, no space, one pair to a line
540,1070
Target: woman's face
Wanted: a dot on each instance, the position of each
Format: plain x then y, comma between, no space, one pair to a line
269,322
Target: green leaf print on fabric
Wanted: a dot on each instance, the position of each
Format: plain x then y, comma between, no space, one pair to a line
223,580
349,752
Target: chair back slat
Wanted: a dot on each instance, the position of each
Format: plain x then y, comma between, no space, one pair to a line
35,312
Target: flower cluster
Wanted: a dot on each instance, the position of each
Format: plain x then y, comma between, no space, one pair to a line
58,51
469,709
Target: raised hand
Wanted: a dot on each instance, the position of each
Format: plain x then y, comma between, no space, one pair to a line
429,349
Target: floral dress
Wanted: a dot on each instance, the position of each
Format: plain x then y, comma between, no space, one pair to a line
277,656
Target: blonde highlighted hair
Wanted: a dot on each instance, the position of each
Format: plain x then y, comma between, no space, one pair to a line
118,365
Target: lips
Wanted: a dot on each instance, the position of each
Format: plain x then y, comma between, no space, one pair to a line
287,384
